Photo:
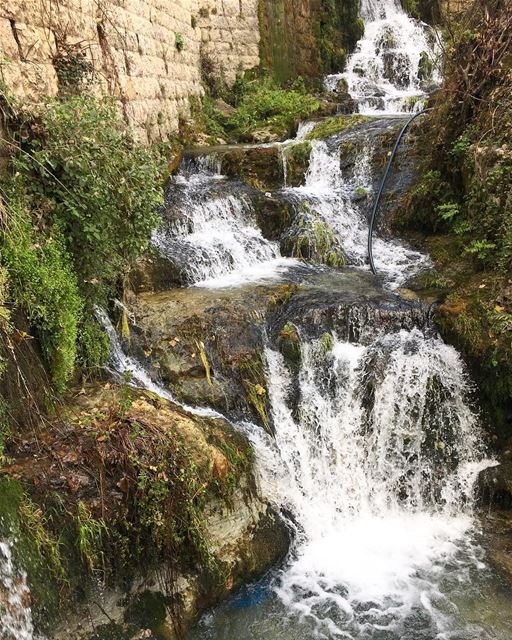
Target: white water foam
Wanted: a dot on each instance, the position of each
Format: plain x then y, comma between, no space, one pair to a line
332,196
376,468
271,271
383,73
15,613
214,235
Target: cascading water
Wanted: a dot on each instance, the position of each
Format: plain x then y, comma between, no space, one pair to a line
339,199
15,614
374,461
395,62
212,235
379,467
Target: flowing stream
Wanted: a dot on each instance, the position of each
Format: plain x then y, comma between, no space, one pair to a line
373,465
334,197
377,443
212,236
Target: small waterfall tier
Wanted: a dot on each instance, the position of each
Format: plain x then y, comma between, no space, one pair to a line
395,63
339,191
210,231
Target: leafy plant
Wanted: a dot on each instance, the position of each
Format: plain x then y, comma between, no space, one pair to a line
179,41
97,184
258,103
263,103
91,533
43,283
82,200
481,248
448,211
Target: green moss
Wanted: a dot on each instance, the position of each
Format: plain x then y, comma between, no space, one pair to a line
288,342
90,533
239,454
259,167
327,343
336,124
295,42
429,11
254,381
297,158
426,67
313,239
282,296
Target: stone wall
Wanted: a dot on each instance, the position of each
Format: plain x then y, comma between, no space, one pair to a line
147,53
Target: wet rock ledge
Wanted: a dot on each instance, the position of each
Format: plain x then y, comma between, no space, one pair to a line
150,510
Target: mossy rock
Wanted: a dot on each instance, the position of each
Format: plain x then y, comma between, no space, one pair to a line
259,167
327,343
169,478
113,631
154,273
147,610
288,342
254,382
311,238
273,214
334,125
425,68
297,158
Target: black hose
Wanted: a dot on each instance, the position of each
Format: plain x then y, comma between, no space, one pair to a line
383,185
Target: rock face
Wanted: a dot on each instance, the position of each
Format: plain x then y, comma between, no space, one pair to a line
307,37
150,55
496,482
206,345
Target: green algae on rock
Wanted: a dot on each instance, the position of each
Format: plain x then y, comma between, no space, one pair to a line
336,124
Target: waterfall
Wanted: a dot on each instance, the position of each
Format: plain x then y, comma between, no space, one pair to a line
211,233
395,63
374,466
339,199
15,614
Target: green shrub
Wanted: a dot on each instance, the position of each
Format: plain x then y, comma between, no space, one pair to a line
262,103
43,284
259,103
99,187
82,201
179,41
